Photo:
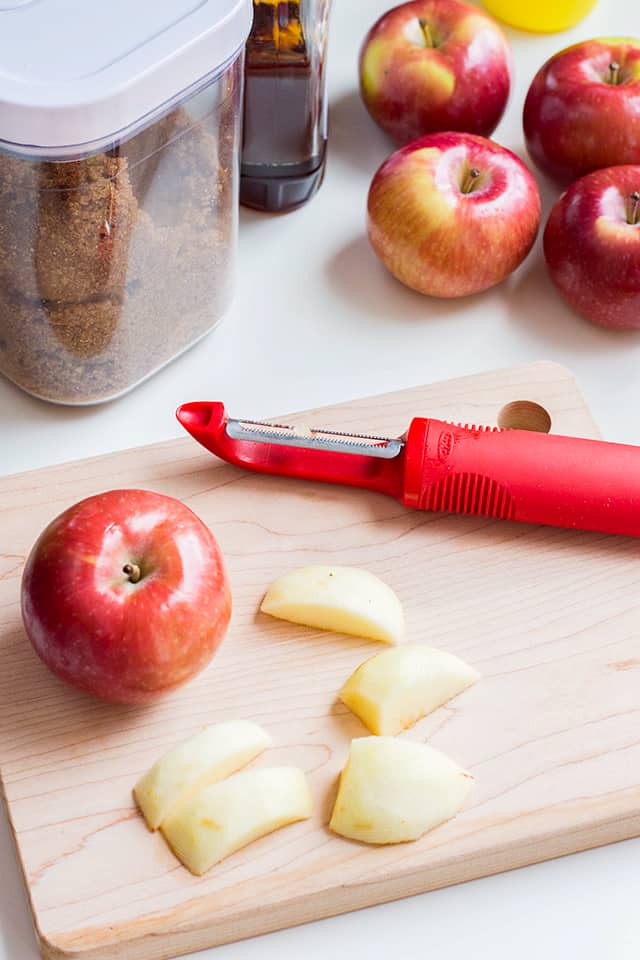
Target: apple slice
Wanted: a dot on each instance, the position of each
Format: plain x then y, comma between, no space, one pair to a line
205,758
226,816
392,791
344,599
397,687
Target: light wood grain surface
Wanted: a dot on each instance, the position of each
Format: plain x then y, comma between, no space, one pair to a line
551,733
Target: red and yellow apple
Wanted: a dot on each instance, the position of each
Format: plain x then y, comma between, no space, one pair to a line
452,214
125,595
581,111
432,65
592,246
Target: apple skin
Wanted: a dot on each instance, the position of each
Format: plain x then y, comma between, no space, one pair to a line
462,83
574,120
593,252
439,240
117,640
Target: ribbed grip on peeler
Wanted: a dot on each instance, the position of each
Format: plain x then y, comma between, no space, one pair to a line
478,428
469,493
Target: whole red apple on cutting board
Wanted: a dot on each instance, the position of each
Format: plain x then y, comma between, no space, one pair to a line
125,595
592,246
452,214
581,112
432,65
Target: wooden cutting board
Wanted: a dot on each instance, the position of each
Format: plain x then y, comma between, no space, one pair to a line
552,732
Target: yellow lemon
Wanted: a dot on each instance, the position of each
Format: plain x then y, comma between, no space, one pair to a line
541,16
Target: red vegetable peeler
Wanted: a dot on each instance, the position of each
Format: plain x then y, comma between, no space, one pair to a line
507,474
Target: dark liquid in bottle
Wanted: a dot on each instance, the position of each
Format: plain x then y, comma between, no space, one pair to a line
284,141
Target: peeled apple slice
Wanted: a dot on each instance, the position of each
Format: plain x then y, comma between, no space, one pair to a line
205,758
343,599
226,816
397,687
392,791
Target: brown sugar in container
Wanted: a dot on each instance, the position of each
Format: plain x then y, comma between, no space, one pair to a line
117,249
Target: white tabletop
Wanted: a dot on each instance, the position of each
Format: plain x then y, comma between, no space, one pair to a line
318,320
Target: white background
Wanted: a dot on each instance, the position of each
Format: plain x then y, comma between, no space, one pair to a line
318,320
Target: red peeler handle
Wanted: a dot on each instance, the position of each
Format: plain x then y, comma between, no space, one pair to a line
522,475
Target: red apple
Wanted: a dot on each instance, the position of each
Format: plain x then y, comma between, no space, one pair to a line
581,111
452,214
592,246
434,65
125,596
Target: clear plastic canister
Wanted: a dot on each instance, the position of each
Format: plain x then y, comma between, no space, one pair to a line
118,255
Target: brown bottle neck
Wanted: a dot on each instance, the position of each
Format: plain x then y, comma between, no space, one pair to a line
277,36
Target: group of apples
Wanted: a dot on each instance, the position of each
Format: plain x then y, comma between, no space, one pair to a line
451,212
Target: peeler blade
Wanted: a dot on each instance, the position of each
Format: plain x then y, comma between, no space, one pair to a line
314,438
304,452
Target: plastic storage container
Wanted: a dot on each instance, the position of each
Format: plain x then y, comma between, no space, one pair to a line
119,159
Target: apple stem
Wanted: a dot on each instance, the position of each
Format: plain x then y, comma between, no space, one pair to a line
614,72
633,208
426,32
133,572
470,180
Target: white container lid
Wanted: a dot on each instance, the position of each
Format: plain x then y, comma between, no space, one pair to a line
76,75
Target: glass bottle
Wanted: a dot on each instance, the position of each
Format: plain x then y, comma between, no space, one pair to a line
285,107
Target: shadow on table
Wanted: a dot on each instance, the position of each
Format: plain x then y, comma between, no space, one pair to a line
358,276
17,937
354,138
531,301
18,408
